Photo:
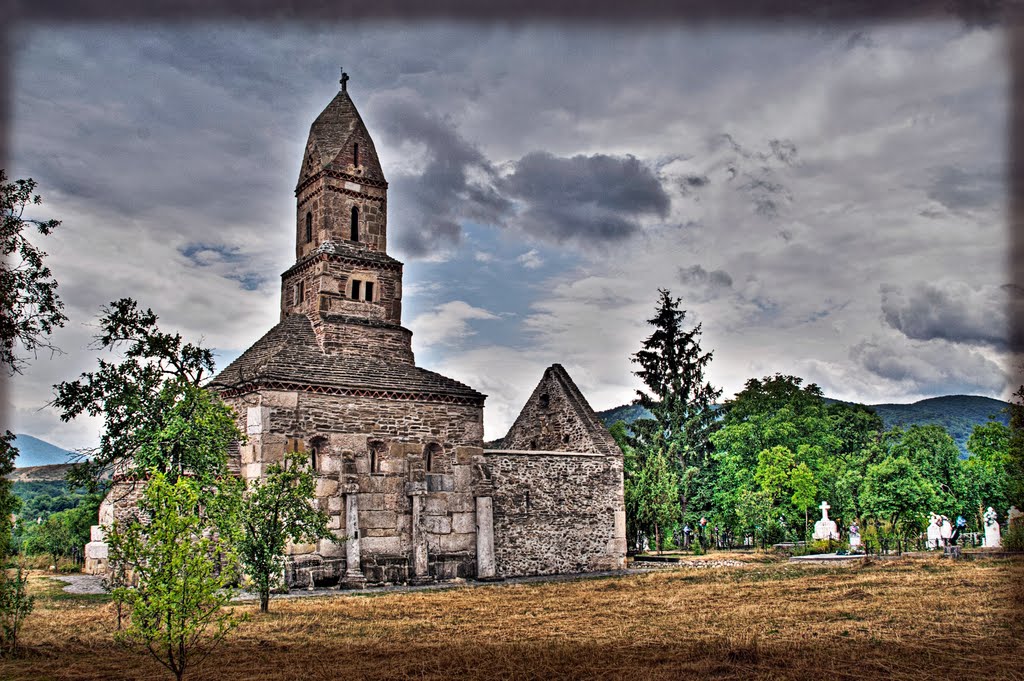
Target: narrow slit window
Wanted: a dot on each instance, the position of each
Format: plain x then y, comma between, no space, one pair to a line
369,291
309,227
355,155
355,224
376,455
299,292
435,458
355,289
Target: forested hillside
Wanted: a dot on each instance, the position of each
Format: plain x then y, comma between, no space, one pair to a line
958,414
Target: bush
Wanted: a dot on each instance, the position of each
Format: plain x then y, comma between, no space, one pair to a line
1013,540
15,605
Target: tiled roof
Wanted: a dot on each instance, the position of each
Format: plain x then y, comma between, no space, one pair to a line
290,354
333,130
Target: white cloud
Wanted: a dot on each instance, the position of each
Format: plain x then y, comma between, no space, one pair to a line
531,260
447,324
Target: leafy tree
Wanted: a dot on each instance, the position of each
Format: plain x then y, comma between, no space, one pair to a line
59,534
681,402
895,492
31,308
936,457
654,494
782,438
183,570
987,469
1015,470
787,483
156,414
273,511
9,503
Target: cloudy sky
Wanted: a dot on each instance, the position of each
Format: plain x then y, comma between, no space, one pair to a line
827,201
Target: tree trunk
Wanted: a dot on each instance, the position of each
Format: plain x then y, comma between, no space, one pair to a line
264,600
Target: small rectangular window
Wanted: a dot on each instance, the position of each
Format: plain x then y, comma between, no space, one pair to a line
369,290
355,289
298,293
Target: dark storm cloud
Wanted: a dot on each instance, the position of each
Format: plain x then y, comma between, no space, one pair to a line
959,189
454,183
588,198
935,367
951,311
591,199
704,284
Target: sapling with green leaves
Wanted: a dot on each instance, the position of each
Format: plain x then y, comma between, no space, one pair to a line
182,571
273,511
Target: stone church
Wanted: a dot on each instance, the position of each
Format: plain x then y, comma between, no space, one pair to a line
411,493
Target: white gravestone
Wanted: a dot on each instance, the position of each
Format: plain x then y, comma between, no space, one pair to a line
993,540
945,530
854,536
825,528
934,531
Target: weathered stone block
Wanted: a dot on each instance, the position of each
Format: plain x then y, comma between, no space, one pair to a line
334,522
278,398
325,487
463,476
437,524
393,465
330,464
457,542
383,545
257,420
335,505
330,549
297,549
96,533
96,550
461,502
464,522
272,452
464,455
435,504
378,519
247,454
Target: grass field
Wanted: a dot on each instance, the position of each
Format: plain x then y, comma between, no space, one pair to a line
923,618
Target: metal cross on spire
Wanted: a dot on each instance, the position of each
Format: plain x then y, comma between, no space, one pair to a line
344,79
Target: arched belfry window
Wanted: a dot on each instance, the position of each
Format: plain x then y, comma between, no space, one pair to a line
355,224
355,155
309,227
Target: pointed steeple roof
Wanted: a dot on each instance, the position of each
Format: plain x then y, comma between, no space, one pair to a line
334,135
557,418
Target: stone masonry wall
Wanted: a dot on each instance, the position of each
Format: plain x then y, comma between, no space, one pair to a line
557,512
343,431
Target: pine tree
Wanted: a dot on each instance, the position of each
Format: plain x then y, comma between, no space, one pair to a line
680,400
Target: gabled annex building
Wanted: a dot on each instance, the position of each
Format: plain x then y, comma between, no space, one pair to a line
411,493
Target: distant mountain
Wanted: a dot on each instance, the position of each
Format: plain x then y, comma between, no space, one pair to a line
52,473
35,452
958,414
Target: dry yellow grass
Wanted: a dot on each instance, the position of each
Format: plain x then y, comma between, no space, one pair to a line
911,619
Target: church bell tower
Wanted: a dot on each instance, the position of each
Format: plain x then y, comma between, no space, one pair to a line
343,279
